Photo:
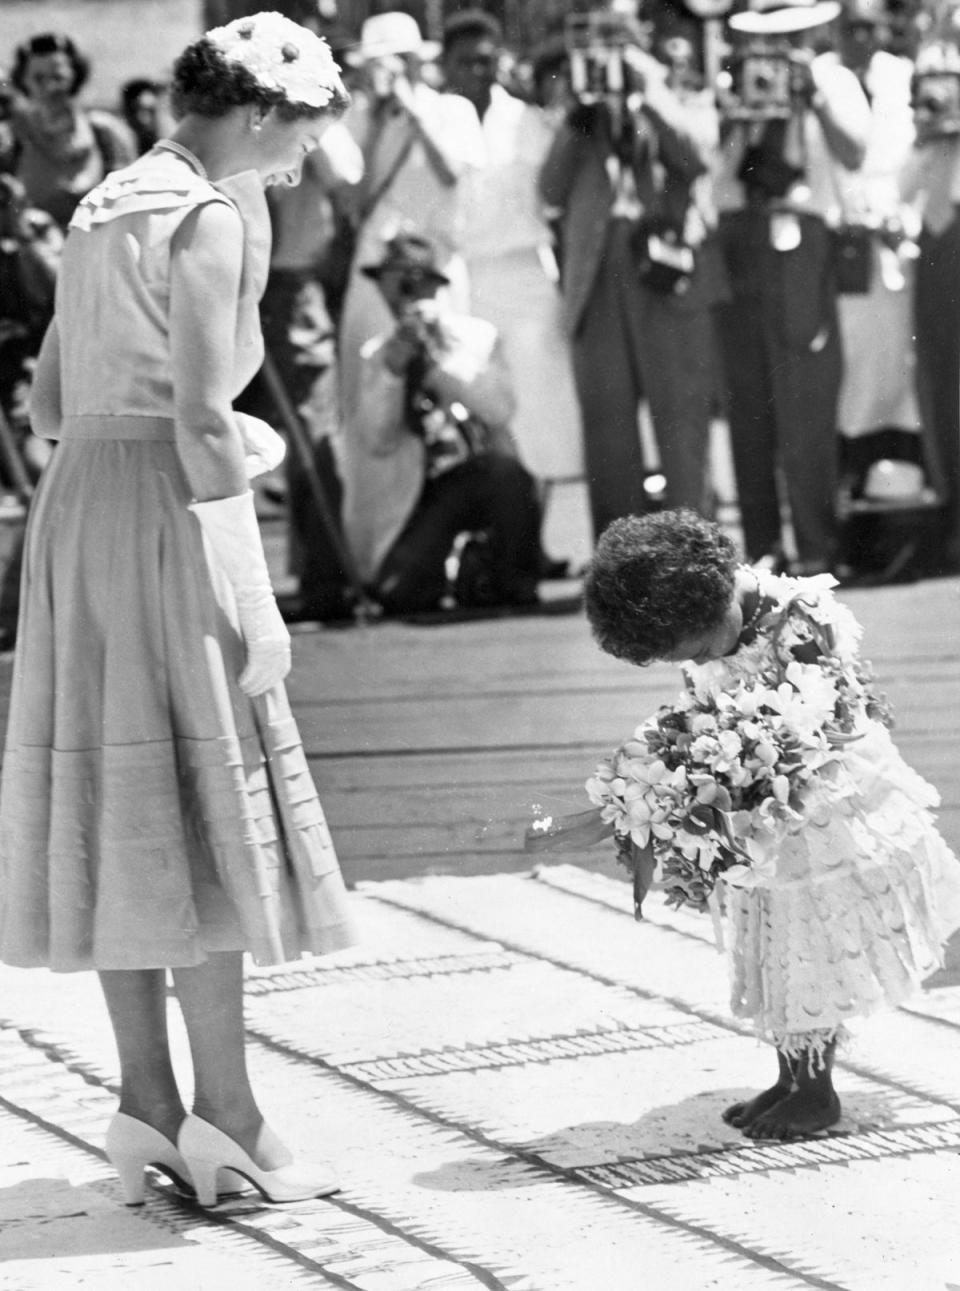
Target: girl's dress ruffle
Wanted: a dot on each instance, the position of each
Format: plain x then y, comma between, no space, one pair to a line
861,898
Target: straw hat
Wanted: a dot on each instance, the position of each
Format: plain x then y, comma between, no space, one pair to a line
410,253
391,33
783,17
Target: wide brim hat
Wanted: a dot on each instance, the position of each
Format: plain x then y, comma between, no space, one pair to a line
391,33
783,17
411,253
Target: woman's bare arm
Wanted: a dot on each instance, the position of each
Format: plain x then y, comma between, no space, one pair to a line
45,407
206,263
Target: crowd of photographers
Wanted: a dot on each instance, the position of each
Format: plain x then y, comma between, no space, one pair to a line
495,270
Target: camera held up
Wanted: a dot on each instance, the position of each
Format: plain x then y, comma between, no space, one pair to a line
935,89
766,79
597,45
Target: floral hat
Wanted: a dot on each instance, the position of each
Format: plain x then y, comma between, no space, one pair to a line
281,55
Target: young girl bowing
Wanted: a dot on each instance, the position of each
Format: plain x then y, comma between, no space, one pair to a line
772,791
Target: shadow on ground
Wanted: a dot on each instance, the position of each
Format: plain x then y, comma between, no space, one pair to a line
690,1127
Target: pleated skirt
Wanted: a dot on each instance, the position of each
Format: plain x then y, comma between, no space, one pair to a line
150,812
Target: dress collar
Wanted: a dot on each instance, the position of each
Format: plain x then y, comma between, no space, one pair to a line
194,162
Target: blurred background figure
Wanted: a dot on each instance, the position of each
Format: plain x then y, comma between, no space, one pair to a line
31,244
416,145
932,179
638,278
142,109
300,338
679,57
59,149
507,245
438,461
550,85
791,121
881,436
550,89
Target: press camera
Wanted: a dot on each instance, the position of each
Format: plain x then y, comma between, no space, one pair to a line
764,80
936,92
420,324
596,43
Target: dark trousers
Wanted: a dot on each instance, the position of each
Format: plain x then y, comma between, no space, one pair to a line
299,338
634,342
492,493
937,314
780,344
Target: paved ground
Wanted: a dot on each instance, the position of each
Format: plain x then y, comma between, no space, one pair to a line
521,1089
520,1086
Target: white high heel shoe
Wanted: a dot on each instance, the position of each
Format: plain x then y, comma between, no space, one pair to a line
132,1145
205,1149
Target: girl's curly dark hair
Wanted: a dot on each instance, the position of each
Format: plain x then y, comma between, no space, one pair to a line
657,580
210,85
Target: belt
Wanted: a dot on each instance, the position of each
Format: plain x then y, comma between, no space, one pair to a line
118,426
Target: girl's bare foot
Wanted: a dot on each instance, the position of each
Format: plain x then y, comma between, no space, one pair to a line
800,1114
807,1101
743,1114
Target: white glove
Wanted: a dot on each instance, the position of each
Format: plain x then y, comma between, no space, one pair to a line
231,529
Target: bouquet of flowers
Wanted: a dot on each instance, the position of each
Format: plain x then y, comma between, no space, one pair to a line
712,783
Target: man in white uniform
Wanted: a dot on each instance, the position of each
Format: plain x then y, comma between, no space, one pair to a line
506,243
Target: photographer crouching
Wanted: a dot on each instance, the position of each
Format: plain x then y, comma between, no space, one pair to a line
790,119
434,408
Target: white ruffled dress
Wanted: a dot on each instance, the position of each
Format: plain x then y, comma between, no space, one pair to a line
849,909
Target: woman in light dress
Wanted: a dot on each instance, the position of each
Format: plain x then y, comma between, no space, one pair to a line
157,811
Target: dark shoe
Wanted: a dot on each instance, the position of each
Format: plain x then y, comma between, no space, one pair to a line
474,585
552,570
337,607
809,568
520,595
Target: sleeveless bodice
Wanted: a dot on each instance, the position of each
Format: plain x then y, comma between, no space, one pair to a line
113,291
